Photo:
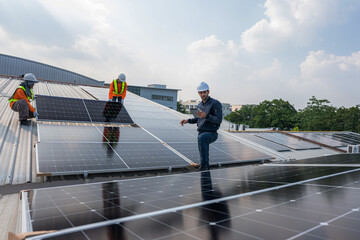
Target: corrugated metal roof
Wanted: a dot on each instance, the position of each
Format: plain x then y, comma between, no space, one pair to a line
17,154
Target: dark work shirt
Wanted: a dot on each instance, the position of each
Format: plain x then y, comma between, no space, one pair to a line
213,119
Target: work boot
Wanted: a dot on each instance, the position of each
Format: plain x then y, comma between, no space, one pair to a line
25,122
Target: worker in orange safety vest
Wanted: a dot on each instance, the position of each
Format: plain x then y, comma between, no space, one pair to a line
118,89
20,100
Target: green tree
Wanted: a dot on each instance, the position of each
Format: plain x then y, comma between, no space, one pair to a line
318,116
349,118
242,116
275,113
180,107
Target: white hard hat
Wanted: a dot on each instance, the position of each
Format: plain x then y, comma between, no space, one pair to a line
122,77
203,86
30,78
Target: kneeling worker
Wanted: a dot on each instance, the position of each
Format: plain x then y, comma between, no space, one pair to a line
209,118
118,89
20,100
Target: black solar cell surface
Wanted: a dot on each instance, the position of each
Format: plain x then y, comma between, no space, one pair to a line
271,202
101,111
60,108
80,110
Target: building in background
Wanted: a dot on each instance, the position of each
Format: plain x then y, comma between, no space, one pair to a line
15,66
226,108
192,104
235,107
157,93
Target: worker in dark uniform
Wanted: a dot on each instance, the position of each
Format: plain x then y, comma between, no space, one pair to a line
21,98
209,118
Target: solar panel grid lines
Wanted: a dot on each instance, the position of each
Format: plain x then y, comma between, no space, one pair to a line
258,207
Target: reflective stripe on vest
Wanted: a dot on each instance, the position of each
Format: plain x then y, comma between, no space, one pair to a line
116,90
29,98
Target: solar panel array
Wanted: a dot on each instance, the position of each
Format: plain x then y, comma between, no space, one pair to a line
160,143
71,149
80,110
287,141
264,142
67,149
334,139
254,202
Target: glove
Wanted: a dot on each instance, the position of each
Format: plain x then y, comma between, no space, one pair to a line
122,101
36,114
109,100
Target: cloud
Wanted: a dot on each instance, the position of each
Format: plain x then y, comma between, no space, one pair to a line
209,54
221,65
291,22
335,78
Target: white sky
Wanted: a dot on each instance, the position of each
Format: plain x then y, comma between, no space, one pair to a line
247,50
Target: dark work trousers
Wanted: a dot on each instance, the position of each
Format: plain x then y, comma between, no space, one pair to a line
116,99
22,107
204,140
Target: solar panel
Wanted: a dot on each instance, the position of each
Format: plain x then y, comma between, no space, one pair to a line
247,202
148,155
175,135
80,110
346,138
96,134
68,133
220,152
287,141
62,158
101,111
65,158
263,142
61,108
331,159
319,137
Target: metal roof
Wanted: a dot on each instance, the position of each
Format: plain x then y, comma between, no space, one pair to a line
17,143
